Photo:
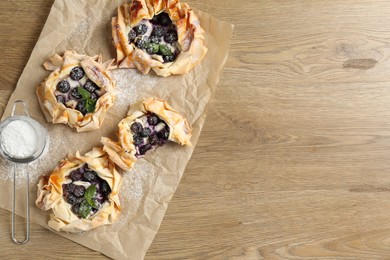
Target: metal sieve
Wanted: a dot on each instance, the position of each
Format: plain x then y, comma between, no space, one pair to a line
37,150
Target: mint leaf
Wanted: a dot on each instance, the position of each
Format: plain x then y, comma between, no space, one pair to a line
84,93
84,209
90,105
153,48
164,50
88,195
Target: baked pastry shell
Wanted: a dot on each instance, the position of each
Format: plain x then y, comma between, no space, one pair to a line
190,36
95,70
123,152
50,193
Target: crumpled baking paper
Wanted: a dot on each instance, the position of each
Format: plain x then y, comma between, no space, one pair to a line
84,26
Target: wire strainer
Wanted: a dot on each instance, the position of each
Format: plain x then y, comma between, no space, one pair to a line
35,152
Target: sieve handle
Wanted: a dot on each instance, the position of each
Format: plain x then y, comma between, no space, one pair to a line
24,106
27,209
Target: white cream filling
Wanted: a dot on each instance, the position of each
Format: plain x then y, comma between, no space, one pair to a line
82,183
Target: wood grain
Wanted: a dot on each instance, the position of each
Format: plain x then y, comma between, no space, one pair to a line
292,162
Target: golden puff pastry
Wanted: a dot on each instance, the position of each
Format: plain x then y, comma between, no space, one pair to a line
78,92
82,192
163,35
153,125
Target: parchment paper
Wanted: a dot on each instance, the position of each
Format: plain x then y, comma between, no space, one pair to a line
84,26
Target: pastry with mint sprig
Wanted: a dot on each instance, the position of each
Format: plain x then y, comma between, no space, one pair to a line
162,35
78,92
152,125
82,192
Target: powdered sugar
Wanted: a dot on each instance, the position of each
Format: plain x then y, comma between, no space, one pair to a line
136,181
130,84
135,187
18,139
82,28
6,168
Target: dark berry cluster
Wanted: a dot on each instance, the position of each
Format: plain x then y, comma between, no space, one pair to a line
155,132
160,40
85,96
85,200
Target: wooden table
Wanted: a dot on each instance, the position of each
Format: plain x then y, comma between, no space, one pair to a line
293,160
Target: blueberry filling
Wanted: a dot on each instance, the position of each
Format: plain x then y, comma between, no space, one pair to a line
85,199
81,106
141,29
158,31
75,94
157,36
136,127
77,73
78,92
63,86
90,86
152,132
163,19
170,36
153,119
60,99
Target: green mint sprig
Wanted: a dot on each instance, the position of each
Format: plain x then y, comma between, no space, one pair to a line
90,104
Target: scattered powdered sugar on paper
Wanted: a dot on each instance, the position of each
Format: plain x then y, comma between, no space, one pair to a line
129,85
135,187
78,38
82,28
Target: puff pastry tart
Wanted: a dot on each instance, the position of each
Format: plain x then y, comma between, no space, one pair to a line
82,192
163,35
153,125
78,92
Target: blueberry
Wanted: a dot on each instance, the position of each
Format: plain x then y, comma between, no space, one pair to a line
94,96
143,149
154,39
76,208
163,134
79,191
105,188
132,35
153,119
136,127
76,175
169,58
164,19
80,200
77,73
75,93
145,132
90,86
152,48
141,29
90,176
158,31
60,99
170,36
71,199
154,20
81,107
69,187
141,44
63,86
153,139
137,139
